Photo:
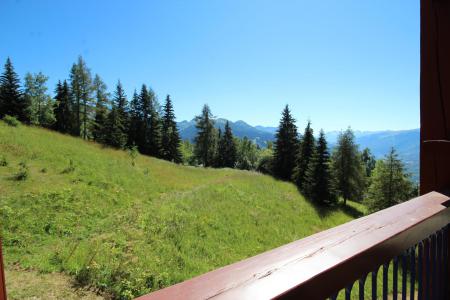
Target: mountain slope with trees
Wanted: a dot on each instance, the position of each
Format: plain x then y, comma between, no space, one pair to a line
406,142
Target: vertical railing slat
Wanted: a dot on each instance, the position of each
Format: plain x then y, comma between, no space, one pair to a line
420,272
361,287
446,279
427,269
433,267
413,272
404,276
374,284
385,280
438,264
395,279
348,292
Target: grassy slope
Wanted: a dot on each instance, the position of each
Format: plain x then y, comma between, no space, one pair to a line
143,227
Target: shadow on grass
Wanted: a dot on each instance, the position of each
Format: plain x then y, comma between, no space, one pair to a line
324,210
351,211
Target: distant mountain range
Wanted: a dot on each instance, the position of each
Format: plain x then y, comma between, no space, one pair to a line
406,142
260,135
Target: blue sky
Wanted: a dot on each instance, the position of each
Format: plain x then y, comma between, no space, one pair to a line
337,62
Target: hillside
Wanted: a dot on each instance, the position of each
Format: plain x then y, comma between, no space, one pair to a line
126,230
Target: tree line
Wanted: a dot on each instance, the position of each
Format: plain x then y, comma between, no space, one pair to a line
83,107
345,173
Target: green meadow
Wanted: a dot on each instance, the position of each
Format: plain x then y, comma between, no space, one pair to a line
124,226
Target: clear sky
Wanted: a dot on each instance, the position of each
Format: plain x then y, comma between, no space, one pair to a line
337,62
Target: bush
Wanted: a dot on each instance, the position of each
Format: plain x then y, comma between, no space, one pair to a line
84,276
11,121
3,161
23,172
265,165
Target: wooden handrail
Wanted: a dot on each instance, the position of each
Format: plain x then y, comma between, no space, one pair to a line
319,265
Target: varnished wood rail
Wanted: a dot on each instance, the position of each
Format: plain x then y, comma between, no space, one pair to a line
318,266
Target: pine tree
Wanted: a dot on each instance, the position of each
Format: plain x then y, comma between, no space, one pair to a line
303,157
205,141
135,121
154,130
11,100
40,109
286,146
369,161
319,180
390,183
81,90
116,130
99,125
143,111
218,158
62,108
170,136
115,135
226,152
348,168
121,103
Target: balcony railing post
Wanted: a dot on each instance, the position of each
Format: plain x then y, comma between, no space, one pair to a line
435,109
2,276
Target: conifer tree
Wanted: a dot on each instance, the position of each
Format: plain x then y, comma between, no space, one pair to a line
115,131
205,141
285,146
348,168
144,123
12,101
99,125
121,103
303,157
218,159
40,109
170,136
81,90
319,185
390,183
62,108
154,130
135,121
369,161
226,152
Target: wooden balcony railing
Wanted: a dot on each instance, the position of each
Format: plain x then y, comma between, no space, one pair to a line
319,266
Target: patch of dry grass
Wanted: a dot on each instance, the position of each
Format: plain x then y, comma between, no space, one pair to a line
32,285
